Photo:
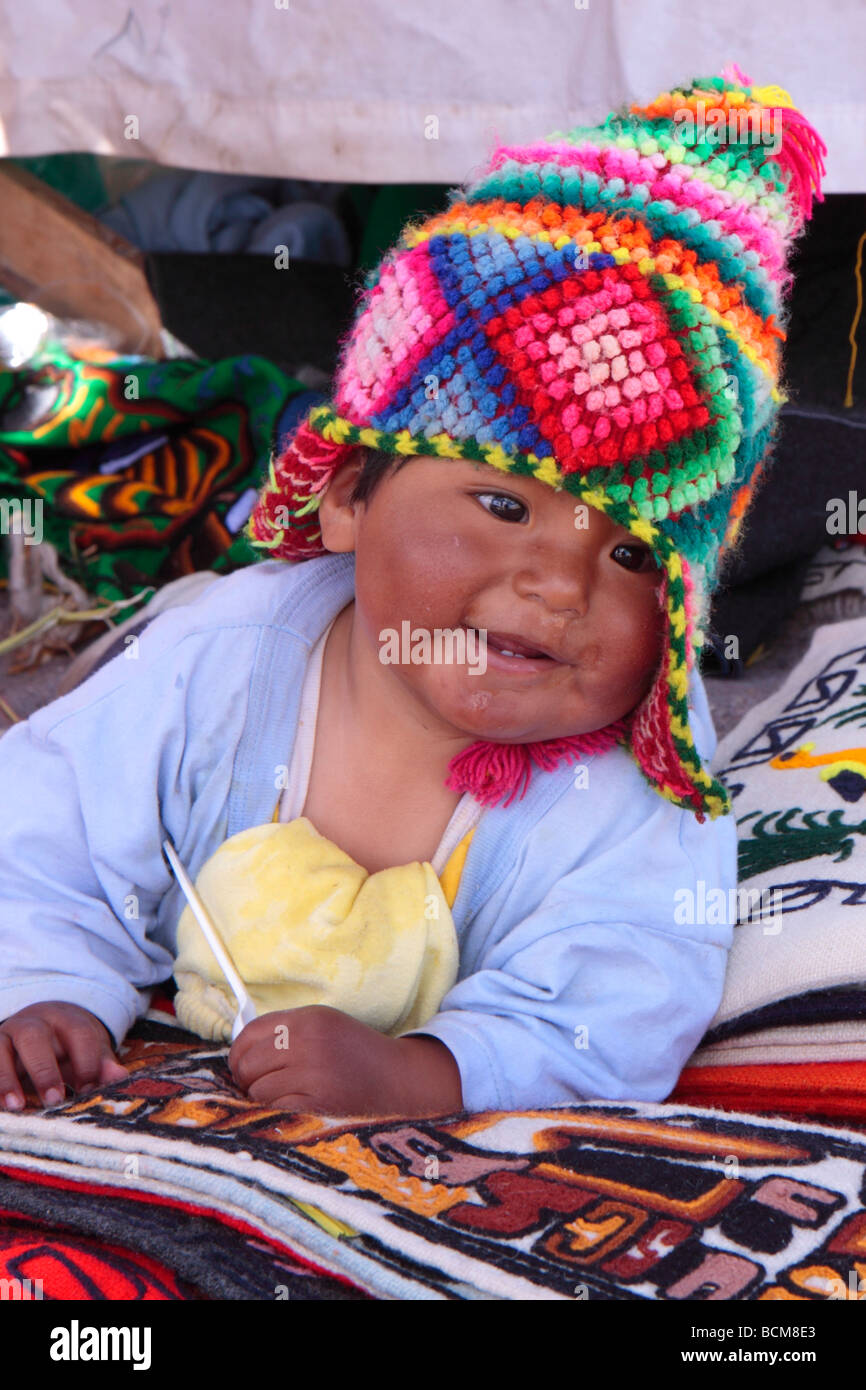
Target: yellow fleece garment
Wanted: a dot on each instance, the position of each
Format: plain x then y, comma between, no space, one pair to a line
305,924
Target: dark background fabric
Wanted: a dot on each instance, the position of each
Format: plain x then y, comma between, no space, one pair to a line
820,451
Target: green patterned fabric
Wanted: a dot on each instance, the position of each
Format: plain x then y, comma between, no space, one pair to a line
139,463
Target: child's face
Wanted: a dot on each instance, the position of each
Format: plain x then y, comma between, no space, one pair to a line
445,543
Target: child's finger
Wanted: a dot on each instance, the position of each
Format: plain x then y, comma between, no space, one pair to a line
23,1079
11,1094
260,1058
35,1045
112,1070
87,1051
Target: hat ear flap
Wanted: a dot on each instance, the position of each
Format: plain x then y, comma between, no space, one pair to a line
661,738
284,522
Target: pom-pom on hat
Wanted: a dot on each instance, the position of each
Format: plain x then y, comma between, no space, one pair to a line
602,310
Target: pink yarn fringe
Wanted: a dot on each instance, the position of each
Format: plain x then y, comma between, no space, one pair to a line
731,72
495,772
801,153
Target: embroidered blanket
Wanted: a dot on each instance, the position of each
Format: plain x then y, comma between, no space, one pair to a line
171,1184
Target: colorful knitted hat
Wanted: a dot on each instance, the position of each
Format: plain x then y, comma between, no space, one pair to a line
601,310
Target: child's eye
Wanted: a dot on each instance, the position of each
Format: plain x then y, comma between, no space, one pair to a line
641,558
506,513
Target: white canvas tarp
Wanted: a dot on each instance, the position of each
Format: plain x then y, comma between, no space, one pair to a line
393,91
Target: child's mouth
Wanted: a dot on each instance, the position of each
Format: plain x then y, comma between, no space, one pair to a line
506,653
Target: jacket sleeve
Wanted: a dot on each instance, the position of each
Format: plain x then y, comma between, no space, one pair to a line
605,990
92,783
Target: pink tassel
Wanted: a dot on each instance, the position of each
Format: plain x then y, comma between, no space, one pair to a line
493,771
802,149
732,73
801,154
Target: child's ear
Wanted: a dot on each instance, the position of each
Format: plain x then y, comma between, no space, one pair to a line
336,512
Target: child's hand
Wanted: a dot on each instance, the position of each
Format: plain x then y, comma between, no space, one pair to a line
321,1060
54,1043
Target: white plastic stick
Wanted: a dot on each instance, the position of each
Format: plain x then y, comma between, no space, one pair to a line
246,1008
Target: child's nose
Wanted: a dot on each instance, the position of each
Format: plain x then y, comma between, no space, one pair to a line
563,586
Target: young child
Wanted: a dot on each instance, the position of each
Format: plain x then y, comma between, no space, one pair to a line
445,886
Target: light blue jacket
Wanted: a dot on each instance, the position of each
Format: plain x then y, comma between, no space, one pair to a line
576,981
